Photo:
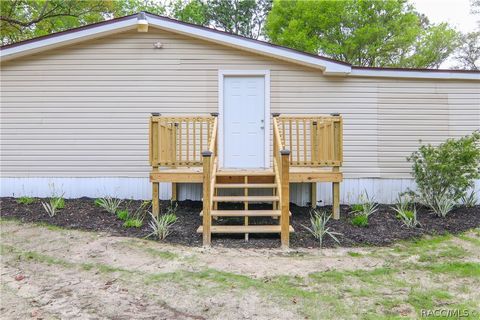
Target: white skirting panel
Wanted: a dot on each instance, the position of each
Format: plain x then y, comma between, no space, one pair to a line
384,190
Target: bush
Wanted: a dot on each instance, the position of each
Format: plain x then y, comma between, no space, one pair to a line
364,210
406,212
133,223
109,204
319,229
52,206
161,225
25,200
360,220
470,199
136,218
446,171
123,214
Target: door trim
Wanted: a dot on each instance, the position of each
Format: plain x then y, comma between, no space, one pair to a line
266,77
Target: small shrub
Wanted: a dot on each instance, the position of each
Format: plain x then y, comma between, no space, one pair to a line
319,229
60,202
133,223
123,214
408,217
446,171
98,202
360,220
442,205
470,200
52,206
136,218
25,200
172,208
109,204
357,207
161,225
364,210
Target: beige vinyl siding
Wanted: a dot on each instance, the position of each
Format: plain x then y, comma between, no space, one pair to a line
82,110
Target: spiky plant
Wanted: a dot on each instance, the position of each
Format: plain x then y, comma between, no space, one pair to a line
318,227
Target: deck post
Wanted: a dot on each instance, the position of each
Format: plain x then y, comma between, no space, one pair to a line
174,191
285,205
207,219
155,199
336,196
313,194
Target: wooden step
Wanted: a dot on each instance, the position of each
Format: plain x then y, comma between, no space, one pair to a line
243,173
245,213
245,198
245,229
245,185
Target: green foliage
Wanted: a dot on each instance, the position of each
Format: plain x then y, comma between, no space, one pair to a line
25,19
60,202
318,226
356,207
406,211
123,214
133,223
52,206
243,17
161,226
444,173
468,52
470,199
109,204
25,200
360,220
364,33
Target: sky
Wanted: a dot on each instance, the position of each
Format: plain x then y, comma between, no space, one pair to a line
455,12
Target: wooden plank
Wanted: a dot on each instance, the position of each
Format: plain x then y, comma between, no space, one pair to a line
174,191
155,199
246,229
313,194
336,198
285,203
245,213
176,177
245,198
207,219
222,173
245,185
296,177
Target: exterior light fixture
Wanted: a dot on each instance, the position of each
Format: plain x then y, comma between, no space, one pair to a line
142,23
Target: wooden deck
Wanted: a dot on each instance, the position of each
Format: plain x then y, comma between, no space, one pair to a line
306,149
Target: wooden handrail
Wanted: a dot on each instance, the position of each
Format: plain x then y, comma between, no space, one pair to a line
313,140
210,162
178,140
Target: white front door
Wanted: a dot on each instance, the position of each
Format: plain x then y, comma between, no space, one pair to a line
244,121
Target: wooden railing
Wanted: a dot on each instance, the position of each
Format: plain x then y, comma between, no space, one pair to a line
179,140
210,162
313,141
281,166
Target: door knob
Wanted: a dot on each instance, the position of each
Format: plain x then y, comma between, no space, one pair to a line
262,127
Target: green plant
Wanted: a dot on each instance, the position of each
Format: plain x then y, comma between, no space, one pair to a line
357,207
172,208
360,220
25,200
133,223
52,206
406,211
109,204
446,171
60,202
442,205
363,210
136,218
161,225
123,214
470,199
319,229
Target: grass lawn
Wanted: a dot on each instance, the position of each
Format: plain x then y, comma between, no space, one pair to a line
49,272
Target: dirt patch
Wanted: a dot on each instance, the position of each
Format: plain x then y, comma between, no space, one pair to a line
383,229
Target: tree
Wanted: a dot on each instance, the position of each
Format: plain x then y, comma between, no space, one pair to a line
243,17
363,32
24,19
468,53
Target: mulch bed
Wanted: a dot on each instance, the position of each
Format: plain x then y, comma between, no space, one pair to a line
383,229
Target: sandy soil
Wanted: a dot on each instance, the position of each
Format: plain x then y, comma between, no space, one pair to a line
50,273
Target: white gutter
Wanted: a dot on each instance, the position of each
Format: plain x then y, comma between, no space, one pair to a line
414,74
